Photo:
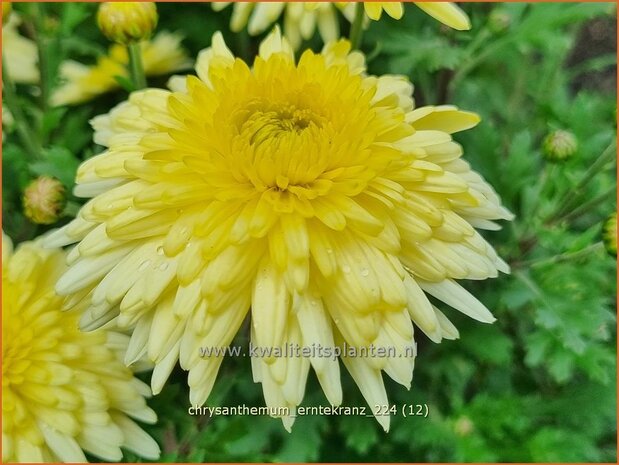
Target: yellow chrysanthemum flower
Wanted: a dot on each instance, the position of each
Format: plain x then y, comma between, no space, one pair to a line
162,55
301,18
63,391
19,53
313,194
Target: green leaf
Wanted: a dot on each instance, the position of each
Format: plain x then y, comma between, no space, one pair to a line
59,163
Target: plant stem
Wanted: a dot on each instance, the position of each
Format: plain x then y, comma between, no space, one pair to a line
21,123
587,206
356,30
41,41
599,164
565,256
136,69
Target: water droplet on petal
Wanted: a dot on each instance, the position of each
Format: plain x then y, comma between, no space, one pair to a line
144,265
365,272
346,269
163,266
159,250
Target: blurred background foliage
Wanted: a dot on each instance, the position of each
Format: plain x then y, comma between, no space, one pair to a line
539,384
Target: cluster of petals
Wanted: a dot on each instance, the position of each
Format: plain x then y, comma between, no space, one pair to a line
64,392
302,18
80,83
310,196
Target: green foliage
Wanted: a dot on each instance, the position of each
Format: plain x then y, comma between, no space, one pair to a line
539,384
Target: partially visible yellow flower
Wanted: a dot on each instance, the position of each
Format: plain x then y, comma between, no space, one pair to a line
162,55
447,13
310,192
64,392
19,53
44,198
301,18
610,234
6,11
125,22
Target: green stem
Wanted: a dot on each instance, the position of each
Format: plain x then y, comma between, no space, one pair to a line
587,206
356,30
565,256
136,69
572,195
41,41
21,123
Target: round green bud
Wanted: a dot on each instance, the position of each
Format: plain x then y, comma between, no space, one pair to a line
464,426
499,21
44,199
559,146
127,22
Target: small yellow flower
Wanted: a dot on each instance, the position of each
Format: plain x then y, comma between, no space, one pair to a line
6,11
162,55
308,191
126,22
44,200
302,18
19,52
64,392
610,234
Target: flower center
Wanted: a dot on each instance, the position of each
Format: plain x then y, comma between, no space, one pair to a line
279,140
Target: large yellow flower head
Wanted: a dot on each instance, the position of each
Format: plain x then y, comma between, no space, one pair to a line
162,55
301,18
63,391
310,192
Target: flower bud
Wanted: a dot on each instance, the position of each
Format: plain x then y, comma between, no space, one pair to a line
463,426
126,22
44,199
6,11
610,234
499,21
559,146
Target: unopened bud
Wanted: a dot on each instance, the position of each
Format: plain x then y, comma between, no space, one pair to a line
464,426
127,22
610,234
559,146
499,21
44,199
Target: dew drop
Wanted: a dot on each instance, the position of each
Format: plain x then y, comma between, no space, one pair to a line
163,266
144,265
159,250
346,269
365,272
